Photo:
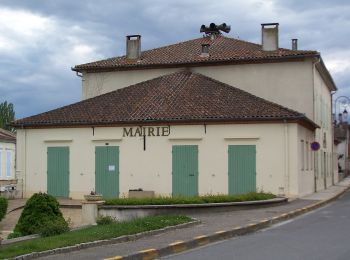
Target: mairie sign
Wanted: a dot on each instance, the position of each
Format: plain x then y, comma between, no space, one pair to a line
146,131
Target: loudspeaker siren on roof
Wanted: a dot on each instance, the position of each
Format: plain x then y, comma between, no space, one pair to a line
215,29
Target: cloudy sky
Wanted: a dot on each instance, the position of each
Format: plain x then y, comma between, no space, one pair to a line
40,40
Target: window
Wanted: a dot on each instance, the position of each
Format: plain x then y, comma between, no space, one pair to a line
8,163
302,159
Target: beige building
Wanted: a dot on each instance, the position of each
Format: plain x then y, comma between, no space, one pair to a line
213,115
7,159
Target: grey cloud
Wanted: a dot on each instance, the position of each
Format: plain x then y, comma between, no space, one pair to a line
97,30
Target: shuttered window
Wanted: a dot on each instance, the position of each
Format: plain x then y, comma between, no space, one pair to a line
8,163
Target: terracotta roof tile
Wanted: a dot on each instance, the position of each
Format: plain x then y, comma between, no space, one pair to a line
222,49
177,97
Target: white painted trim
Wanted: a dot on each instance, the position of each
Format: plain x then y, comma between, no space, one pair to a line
106,139
185,138
242,138
58,140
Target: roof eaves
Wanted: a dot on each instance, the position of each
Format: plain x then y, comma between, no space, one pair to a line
164,120
95,68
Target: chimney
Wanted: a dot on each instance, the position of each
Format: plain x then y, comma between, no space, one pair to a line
133,46
294,44
205,50
269,36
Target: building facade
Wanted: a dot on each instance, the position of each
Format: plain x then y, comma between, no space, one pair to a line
214,115
7,158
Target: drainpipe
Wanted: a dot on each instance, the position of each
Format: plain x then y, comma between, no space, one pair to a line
286,158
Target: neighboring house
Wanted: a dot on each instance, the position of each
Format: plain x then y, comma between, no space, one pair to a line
7,158
206,116
342,148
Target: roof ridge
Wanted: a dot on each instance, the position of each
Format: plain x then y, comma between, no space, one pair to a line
246,50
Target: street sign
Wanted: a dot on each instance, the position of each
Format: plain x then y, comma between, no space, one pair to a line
315,146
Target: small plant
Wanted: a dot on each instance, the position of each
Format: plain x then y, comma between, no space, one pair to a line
40,210
53,228
14,235
3,207
105,220
191,200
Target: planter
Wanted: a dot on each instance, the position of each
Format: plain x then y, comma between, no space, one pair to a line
96,197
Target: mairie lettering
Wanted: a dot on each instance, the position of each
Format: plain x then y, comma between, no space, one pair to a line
146,131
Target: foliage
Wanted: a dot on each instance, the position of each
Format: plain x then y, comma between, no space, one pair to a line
14,235
3,207
40,210
53,228
7,115
191,200
91,234
105,220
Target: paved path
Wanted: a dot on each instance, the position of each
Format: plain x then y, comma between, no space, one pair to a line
322,235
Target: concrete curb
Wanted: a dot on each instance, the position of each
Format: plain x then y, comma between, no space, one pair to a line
104,242
180,246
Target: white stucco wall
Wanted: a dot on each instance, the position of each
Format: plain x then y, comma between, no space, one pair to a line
325,173
7,149
286,83
306,167
276,146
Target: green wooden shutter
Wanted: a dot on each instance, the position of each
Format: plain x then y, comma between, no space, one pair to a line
185,170
58,171
107,171
242,168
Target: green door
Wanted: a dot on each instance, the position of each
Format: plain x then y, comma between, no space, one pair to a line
185,170
107,171
241,169
58,171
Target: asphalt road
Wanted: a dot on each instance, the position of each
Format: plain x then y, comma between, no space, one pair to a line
321,234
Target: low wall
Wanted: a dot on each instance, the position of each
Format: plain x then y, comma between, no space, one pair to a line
123,213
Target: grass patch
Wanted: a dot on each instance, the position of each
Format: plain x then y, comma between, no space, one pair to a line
191,200
91,234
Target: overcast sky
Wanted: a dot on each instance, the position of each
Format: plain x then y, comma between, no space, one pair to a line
40,40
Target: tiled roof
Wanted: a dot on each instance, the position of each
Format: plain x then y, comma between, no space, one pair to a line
6,136
174,98
221,50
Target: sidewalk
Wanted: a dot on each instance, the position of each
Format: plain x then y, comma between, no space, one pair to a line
210,223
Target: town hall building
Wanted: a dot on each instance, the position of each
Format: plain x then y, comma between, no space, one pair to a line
212,115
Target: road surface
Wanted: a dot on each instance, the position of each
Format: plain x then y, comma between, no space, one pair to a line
321,234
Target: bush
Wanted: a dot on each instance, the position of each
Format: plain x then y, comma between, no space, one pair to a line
53,228
105,220
3,207
191,200
40,210
14,235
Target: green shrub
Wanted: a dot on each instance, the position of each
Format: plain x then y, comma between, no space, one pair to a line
53,228
3,207
14,235
105,220
40,210
191,200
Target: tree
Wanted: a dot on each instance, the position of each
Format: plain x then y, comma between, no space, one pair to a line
7,115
